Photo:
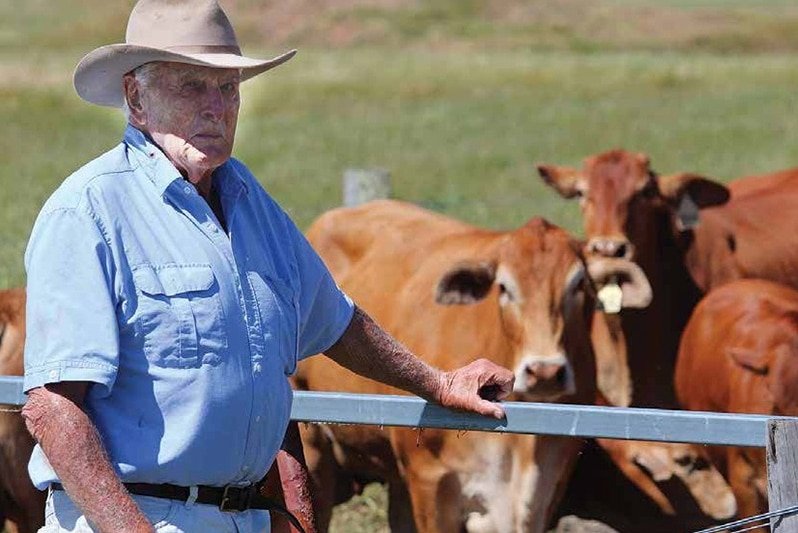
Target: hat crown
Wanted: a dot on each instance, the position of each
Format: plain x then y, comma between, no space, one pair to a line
180,24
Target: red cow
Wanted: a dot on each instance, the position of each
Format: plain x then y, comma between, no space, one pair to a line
20,502
630,211
452,292
750,236
739,354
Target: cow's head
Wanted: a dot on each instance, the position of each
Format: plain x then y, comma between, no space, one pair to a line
544,297
617,190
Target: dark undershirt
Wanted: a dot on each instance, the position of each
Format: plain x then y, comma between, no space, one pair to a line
216,206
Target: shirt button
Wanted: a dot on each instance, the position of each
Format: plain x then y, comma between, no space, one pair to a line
257,418
244,468
187,189
53,374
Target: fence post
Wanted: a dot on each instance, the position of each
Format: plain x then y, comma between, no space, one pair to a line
782,460
364,185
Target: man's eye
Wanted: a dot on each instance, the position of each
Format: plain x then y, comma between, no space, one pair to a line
192,85
229,87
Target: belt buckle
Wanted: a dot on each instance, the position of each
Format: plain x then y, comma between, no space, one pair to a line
245,494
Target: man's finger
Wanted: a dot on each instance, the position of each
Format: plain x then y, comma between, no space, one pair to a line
490,409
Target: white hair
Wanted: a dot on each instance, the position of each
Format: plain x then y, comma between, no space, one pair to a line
144,75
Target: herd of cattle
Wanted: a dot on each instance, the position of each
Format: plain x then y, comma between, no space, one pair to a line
682,294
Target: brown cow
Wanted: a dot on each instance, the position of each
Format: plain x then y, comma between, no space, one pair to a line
739,354
629,211
20,502
750,236
452,292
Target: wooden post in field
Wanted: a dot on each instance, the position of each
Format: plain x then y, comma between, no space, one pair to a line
782,454
364,185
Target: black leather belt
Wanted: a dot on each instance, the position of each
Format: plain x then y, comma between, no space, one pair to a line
229,499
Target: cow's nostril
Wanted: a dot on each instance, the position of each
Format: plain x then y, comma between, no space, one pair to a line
546,372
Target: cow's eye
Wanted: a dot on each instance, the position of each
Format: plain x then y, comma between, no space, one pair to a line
505,295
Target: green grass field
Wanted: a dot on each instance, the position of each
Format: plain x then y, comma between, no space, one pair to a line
459,99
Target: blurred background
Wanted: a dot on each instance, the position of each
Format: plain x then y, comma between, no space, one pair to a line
457,99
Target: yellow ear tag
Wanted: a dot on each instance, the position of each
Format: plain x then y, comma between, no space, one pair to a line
610,297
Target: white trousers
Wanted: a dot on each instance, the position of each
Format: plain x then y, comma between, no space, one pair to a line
167,516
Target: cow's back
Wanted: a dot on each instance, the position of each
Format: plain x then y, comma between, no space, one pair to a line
388,256
750,236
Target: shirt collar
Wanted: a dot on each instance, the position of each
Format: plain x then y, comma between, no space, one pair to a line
146,153
163,173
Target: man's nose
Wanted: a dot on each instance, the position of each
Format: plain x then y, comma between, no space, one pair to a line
214,104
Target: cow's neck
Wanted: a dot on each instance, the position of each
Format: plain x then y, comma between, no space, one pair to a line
653,333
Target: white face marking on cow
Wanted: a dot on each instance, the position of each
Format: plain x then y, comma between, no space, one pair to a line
509,291
542,371
501,490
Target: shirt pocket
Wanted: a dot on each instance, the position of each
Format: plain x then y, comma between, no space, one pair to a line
287,309
180,314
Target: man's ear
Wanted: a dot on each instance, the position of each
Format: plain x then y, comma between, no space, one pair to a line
133,97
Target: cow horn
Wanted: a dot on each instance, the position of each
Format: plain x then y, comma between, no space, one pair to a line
636,289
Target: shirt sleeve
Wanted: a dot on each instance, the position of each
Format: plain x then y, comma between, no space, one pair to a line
324,309
72,333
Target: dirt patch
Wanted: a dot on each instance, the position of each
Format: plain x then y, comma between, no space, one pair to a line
531,23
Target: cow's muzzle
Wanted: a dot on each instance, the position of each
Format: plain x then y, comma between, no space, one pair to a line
613,247
544,379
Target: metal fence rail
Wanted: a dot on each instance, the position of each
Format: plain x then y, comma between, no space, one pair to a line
522,417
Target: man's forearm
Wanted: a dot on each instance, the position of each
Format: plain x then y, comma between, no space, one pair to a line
74,449
366,349
295,478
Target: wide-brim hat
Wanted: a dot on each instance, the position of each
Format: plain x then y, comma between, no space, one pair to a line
196,32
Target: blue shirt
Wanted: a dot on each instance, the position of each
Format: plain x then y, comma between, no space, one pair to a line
188,334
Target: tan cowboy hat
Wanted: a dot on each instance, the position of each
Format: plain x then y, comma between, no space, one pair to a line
184,31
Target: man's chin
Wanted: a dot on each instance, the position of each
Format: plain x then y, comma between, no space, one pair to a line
208,159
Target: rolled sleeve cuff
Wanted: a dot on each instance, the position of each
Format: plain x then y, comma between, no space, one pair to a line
90,371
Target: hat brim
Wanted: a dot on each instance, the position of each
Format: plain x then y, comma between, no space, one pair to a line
98,76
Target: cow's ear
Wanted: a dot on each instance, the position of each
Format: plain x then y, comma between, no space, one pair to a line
465,284
704,192
755,361
564,180
689,193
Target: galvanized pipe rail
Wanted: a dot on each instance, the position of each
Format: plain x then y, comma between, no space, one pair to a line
522,417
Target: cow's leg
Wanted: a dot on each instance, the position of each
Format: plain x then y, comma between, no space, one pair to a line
400,512
744,478
435,493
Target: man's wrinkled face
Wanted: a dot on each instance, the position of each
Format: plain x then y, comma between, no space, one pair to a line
191,112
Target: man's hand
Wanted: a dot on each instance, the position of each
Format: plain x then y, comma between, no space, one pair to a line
475,387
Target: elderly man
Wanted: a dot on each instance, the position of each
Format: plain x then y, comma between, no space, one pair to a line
169,299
